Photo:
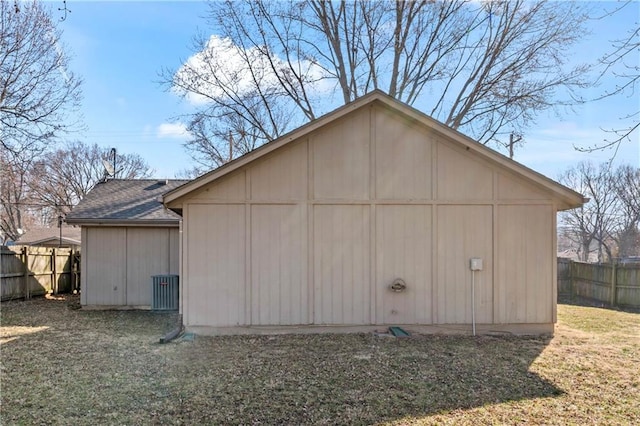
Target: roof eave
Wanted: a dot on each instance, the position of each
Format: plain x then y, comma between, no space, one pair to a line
52,239
121,222
572,203
567,198
175,194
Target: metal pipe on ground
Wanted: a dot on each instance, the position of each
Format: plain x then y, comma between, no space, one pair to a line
173,334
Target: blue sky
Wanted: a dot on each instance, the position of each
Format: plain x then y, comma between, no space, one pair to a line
119,48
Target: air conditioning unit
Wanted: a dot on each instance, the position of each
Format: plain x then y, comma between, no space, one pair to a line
164,290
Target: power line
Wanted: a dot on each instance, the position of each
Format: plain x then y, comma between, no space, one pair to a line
37,204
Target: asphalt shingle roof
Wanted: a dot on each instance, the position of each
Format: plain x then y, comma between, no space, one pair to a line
126,200
36,235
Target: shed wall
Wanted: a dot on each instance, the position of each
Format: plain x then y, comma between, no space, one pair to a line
315,233
215,255
119,263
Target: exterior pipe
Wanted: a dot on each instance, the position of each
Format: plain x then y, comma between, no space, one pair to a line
473,301
173,334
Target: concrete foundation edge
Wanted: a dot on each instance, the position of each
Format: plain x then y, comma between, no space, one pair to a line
117,308
461,329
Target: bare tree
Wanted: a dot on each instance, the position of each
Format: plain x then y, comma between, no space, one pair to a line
610,222
626,181
622,64
63,177
38,92
232,135
35,190
16,200
590,223
485,68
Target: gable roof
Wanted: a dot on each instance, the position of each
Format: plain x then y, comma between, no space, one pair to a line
35,236
126,202
566,197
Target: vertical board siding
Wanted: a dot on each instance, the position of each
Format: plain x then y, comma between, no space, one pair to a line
524,264
106,270
464,232
216,264
278,265
403,250
147,254
461,177
174,251
125,258
316,232
403,159
84,238
282,176
230,188
512,188
341,159
341,264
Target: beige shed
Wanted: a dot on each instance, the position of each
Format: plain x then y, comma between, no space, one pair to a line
365,217
127,237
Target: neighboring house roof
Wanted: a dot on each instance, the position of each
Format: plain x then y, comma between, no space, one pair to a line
574,255
36,236
126,202
566,197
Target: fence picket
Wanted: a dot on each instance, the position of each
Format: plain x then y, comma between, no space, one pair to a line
611,284
29,271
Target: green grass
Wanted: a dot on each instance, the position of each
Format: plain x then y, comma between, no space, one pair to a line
66,366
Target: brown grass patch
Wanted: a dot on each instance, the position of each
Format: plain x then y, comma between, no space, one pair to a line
67,366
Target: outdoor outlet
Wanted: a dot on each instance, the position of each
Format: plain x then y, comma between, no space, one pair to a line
475,264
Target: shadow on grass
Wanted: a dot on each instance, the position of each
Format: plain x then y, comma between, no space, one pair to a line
355,378
111,361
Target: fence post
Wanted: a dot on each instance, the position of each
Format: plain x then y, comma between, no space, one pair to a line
613,283
572,283
54,272
72,278
78,271
25,256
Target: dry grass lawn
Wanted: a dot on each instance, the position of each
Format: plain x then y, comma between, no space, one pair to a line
66,366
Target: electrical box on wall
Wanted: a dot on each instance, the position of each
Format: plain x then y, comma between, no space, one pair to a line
475,263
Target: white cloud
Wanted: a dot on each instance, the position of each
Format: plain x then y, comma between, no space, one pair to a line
229,64
172,130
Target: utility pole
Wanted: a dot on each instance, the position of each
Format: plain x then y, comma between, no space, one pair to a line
113,153
230,146
513,139
60,218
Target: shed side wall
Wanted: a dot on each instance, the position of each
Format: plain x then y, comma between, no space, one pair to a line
315,233
216,265
106,266
118,263
526,255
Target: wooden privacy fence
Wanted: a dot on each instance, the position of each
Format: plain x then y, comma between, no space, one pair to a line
31,271
611,284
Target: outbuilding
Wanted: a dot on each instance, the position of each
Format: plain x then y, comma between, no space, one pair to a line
127,237
372,215
64,236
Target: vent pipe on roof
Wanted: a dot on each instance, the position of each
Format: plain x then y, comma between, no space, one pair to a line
163,182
